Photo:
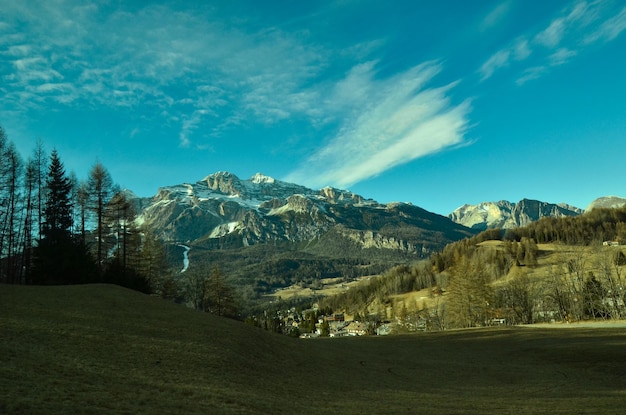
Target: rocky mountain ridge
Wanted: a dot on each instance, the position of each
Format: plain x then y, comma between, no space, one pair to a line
507,215
607,202
223,211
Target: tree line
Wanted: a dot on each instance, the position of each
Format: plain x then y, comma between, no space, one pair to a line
595,226
57,229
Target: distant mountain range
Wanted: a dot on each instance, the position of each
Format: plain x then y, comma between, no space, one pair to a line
223,211
266,234
506,215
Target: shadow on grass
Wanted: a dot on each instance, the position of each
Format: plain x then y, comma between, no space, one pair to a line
103,349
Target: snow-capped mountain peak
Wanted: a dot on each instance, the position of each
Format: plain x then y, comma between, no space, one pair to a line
227,210
261,178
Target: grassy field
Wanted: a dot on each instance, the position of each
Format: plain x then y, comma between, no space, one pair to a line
106,350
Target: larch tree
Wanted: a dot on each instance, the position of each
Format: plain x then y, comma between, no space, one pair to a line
29,216
120,217
469,293
4,198
100,189
151,262
222,301
11,226
40,167
124,268
81,210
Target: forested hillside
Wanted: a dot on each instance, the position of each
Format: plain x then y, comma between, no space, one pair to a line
567,269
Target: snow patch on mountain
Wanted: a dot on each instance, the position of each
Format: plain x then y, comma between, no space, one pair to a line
222,210
185,257
261,178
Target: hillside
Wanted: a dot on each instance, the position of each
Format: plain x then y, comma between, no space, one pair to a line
558,269
554,269
105,350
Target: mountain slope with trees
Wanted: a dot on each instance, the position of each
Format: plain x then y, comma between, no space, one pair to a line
567,269
265,234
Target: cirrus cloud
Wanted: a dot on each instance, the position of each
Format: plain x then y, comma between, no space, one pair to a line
559,42
390,122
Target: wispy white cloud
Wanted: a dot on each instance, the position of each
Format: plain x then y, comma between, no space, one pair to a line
496,15
498,60
531,73
159,59
518,51
561,56
394,121
17,50
559,42
610,29
554,33
521,50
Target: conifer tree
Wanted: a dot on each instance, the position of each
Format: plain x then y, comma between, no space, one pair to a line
57,225
151,262
100,188
469,293
10,186
59,259
222,300
29,216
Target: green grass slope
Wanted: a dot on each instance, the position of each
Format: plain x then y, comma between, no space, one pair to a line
105,350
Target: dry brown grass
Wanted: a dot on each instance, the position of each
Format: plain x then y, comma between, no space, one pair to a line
106,350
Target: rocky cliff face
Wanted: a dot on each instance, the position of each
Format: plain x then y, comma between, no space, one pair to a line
607,202
223,209
506,215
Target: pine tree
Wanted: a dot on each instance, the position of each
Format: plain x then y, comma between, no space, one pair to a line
59,259
57,225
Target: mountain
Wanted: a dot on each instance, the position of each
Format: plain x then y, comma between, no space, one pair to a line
506,215
223,211
266,234
607,202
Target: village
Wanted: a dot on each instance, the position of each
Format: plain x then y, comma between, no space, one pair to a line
310,324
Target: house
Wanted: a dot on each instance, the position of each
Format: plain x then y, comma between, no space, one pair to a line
335,317
356,328
610,243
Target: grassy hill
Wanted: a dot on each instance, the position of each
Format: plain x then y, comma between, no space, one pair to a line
102,349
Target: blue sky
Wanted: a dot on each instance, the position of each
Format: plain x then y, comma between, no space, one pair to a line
434,103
